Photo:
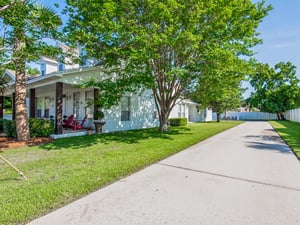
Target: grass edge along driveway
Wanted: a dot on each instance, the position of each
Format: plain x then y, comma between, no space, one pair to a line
69,168
290,133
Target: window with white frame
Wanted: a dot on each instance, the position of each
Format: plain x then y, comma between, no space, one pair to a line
43,69
60,66
76,104
181,110
39,107
89,109
125,108
46,107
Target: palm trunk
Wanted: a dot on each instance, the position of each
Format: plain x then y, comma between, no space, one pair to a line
20,101
22,126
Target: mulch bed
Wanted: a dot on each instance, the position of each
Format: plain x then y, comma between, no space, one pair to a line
10,143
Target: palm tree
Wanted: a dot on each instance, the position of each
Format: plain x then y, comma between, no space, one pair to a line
24,41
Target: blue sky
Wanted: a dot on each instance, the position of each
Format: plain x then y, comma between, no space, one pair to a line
280,32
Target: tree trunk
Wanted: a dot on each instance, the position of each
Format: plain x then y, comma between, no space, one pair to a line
163,123
164,105
280,116
22,125
218,117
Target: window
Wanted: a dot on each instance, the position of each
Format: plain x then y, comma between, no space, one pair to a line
76,104
43,69
181,110
61,66
46,107
39,106
89,109
125,109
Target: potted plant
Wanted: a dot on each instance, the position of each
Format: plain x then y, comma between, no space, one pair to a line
98,121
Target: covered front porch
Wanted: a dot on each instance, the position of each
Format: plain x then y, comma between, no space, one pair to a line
57,96
59,101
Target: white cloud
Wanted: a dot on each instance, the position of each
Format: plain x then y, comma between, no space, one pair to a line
286,45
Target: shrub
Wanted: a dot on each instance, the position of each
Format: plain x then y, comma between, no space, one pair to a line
2,121
9,128
40,127
178,121
37,128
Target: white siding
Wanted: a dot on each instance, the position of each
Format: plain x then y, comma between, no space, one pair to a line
143,114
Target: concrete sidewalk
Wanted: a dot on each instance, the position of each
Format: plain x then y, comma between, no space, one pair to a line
246,175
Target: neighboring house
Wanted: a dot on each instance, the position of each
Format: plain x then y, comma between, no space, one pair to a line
54,94
185,108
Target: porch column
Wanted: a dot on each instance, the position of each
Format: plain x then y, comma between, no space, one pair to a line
96,92
1,106
58,110
14,106
32,103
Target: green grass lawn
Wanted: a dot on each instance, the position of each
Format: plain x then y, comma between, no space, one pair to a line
66,169
290,132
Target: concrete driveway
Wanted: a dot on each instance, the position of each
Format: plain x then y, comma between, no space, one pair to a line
246,175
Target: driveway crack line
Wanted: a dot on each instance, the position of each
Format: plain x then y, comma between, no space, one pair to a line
231,177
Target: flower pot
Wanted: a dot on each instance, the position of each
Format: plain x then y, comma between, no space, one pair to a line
98,126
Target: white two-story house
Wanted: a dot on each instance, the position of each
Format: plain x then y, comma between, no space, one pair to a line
54,95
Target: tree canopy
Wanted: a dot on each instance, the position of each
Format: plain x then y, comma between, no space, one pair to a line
276,89
162,45
219,86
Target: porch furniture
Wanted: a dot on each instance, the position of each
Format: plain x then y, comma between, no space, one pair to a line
68,123
79,124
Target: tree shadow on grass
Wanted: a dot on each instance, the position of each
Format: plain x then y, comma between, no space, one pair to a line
129,137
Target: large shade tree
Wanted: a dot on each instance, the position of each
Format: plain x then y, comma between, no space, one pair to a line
25,26
219,86
276,89
160,45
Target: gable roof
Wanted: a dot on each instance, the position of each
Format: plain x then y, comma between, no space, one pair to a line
11,75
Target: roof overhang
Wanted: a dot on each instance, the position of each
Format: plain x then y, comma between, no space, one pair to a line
72,77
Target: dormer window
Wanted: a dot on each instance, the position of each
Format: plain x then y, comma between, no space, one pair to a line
43,69
61,66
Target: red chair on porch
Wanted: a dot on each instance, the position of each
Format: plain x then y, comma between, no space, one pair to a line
79,124
68,123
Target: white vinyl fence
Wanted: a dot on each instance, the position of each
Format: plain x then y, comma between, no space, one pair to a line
246,116
293,115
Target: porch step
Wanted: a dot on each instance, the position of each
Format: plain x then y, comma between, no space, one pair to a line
71,134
